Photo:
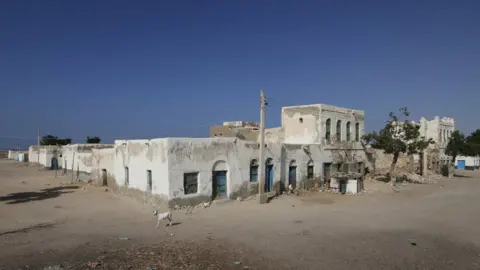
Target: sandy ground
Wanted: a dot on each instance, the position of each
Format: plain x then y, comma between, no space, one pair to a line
46,222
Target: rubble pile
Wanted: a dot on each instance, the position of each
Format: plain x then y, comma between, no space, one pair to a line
384,161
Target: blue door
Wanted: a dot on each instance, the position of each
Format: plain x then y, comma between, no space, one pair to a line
461,164
269,178
292,176
219,184
54,164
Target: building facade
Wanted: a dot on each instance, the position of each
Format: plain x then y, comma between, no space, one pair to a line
312,142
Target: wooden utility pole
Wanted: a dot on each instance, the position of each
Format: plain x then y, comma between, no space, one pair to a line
261,161
38,146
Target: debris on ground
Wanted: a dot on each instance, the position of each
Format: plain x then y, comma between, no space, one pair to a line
93,264
106,189
55,267
412,242
175,254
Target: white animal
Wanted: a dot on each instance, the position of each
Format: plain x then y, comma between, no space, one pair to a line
163,216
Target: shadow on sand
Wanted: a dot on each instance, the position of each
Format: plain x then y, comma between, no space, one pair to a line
23,197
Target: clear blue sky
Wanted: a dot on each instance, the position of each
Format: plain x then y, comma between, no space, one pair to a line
146,69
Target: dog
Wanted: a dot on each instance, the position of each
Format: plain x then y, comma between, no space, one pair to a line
163,216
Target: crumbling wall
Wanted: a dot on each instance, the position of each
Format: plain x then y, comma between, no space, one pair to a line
384,161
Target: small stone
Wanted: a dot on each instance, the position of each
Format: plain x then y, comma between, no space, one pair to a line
105,189
239,199
176,207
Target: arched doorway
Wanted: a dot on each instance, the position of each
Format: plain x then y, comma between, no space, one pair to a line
54,163
219,179
292,174
269,175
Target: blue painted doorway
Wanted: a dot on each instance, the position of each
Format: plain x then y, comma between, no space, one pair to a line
219,184
269,173
54,164
461,165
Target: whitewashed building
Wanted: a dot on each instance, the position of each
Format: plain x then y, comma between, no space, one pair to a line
311,143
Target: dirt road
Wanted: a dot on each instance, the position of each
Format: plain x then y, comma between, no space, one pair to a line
46,222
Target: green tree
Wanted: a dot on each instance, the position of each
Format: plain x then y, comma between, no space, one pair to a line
54,140
473,143
457,145
398,136
49,140
93,139
64,141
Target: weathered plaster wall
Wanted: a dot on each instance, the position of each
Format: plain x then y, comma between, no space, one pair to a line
204,155
103,160
274,135
139,156
301,124
307,124
78,157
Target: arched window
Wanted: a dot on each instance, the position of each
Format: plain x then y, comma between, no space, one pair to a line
339,130
310,168
254,170
348,131
357,132
440,135
328,125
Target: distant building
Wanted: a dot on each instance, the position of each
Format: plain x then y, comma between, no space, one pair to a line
239,129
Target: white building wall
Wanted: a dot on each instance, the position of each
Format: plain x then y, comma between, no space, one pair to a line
170,158
43,154
14,154
80,157
140,156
